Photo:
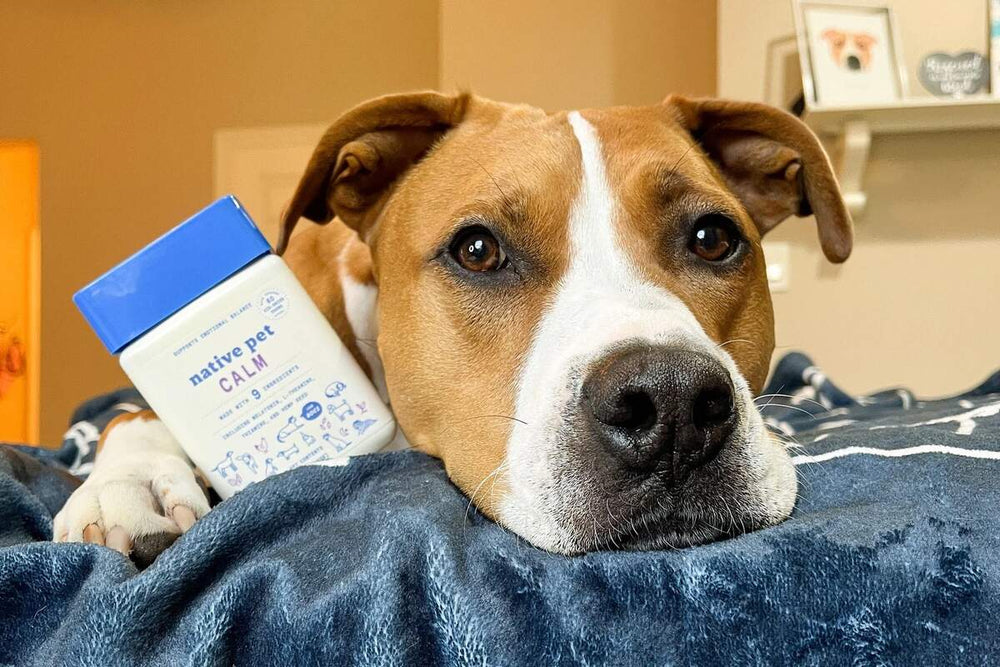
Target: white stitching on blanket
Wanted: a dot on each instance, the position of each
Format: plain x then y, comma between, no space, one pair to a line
898,453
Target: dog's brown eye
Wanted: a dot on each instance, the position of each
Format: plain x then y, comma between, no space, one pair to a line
714,238
475,249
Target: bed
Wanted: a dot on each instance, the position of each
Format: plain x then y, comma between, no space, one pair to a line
892,556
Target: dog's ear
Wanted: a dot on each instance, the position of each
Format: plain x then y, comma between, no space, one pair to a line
773,163
364,152
864,40
834,36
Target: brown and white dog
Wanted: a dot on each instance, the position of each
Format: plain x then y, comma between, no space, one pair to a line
570,310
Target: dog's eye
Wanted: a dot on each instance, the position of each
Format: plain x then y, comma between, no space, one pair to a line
714,238
476,249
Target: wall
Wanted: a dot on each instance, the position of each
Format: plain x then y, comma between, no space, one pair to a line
916,304
579,53
123,98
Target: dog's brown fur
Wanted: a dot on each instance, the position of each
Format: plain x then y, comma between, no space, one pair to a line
403,171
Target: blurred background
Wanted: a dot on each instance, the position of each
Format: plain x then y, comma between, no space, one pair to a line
118,119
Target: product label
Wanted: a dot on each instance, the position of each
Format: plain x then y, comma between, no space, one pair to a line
253,381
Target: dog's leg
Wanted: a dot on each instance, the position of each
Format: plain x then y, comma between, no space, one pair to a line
141,496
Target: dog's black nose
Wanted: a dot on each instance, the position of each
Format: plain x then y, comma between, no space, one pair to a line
659,407
853,63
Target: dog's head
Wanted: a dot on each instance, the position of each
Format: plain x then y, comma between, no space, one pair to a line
573,308
850,50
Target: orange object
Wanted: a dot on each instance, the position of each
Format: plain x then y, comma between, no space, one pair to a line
20,293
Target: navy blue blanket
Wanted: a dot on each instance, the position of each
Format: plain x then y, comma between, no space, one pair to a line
891,557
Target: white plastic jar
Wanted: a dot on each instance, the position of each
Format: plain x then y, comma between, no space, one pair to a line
232,354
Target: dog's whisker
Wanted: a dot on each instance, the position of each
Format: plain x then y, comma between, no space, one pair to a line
794,398
507,200
788,407
684,155
468,419
472,498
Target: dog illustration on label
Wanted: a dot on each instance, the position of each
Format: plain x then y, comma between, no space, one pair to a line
270,468
261,446
286,431
249,461
334,389
341,410
306,438
226,468
362,425
339,444
288,453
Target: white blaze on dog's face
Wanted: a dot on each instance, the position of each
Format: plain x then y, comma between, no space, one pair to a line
573,310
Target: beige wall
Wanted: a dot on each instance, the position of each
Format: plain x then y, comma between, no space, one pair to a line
123,98
917,303
579,53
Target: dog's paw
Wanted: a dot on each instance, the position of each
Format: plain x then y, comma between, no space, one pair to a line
137,505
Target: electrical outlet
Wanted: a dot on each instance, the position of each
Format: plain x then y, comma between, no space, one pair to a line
778,256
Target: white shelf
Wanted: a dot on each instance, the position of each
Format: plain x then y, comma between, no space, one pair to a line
930,114
853,127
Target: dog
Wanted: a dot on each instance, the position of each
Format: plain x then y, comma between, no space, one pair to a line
570,310
850,50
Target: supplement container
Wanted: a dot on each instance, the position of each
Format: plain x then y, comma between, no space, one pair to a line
232,354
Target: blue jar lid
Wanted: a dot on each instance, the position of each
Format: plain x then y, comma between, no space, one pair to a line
171,272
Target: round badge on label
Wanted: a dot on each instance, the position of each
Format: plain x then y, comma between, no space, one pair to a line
311,410
273,304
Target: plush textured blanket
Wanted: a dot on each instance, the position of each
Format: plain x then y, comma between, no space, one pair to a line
892,557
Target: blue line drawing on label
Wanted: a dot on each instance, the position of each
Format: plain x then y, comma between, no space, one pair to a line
288,453
249,461
326,424
362,407
261,446
334,388
226,466
287,430
342,410
306,438
311,410
270,468
339,444
344,432
362,425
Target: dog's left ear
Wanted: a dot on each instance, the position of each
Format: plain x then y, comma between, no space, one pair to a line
773,163
364,153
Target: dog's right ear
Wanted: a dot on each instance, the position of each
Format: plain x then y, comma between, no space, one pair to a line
361,156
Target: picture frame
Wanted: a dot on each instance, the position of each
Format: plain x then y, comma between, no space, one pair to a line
994,47
850,53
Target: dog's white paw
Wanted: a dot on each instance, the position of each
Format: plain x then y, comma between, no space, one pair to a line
142,494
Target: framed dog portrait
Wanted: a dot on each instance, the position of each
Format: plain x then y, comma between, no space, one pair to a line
850,53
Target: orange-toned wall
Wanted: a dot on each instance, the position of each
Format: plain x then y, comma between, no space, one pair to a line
577,53
19,291
123,98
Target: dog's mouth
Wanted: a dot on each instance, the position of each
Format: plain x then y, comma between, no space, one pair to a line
665,531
